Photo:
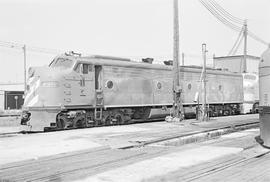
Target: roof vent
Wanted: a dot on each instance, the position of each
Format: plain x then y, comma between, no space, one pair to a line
148,60
169,62
72,53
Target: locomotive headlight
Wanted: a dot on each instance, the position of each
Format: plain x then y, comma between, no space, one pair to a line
50,84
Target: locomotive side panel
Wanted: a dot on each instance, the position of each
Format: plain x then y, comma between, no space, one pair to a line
251,92
214,89
162,86
136,87
190,85
127,86
227,89
220,87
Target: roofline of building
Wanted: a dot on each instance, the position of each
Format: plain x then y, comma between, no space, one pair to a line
237,56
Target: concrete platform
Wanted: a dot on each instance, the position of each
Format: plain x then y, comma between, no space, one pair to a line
17,147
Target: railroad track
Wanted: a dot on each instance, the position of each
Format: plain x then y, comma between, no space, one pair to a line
9,134
64,166
232,128
132,122
237,167
217,169
198,136
222,166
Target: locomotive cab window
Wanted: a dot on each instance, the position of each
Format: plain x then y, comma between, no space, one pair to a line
62,63
78,68
84,68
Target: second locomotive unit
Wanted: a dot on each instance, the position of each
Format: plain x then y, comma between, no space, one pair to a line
75,91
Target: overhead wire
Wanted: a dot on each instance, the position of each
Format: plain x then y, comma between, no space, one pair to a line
255,37
44,50
211,5
29,48
226,18
223,20
226,13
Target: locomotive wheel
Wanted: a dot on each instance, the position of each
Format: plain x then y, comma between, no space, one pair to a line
119,118
79,124
108,120
61,122
90,120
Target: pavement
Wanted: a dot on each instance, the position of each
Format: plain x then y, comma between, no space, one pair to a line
154,151
19,147
213,159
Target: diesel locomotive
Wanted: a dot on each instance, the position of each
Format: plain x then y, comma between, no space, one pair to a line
76,91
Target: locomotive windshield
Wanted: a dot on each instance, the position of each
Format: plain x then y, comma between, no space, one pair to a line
62,63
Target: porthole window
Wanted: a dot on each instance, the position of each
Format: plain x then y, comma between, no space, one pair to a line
189,86
159,85
220,87
109,84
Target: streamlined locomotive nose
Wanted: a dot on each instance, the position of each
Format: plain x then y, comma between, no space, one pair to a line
44,87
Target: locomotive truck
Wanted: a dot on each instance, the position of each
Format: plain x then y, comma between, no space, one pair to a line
76,91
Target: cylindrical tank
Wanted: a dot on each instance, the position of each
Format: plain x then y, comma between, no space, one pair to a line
264,90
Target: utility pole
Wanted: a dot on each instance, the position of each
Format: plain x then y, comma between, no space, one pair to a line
214,65
177,105
24,67
183,59
204,104
245,47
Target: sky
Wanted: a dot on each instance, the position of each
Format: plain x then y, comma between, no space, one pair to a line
126,28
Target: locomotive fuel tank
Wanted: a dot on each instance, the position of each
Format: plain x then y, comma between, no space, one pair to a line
264,104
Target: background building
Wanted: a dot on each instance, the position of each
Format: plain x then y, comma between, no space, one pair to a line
250,76
11,96
236,63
